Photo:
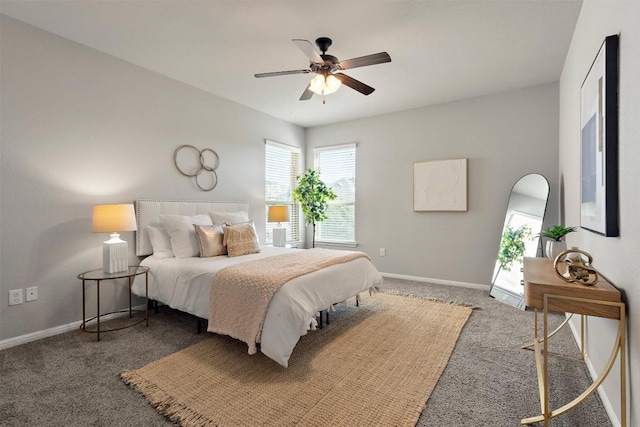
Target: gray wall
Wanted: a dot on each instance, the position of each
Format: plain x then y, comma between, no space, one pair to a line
81,128
504,136
616,257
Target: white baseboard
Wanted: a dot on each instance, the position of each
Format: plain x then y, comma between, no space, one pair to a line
437,281
34,336
613,417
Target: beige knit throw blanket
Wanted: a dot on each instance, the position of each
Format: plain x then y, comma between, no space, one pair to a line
240,294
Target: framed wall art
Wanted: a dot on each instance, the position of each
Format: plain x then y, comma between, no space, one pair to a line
440,185
599,142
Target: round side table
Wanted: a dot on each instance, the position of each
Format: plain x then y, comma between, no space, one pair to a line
100,275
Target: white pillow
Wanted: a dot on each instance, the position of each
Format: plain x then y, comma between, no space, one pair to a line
160,241
184,242
229,217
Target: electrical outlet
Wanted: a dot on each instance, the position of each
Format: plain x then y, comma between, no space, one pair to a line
15,297
31,294
383,252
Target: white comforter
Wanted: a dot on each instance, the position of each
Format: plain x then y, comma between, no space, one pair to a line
185,283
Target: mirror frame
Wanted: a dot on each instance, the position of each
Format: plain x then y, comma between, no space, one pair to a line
544,213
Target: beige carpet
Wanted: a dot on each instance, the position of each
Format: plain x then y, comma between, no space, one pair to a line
373,365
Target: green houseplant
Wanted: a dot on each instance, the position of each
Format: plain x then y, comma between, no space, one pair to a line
313,196
557,232
512,246
556,243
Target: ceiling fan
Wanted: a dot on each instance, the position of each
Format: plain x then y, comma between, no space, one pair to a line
328,79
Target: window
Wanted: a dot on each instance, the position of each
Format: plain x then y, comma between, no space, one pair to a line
282,165
337,166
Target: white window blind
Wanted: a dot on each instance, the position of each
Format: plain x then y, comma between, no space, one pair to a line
282,165
337,165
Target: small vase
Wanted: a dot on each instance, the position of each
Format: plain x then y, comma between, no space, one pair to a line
554,247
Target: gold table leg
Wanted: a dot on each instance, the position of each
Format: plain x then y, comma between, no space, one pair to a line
535,335
543,373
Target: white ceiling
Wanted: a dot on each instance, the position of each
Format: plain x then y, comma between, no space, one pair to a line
441,50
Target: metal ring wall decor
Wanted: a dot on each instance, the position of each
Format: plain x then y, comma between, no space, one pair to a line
202,168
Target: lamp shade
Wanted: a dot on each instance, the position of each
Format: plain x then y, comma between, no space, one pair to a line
278,214
324,85
113,218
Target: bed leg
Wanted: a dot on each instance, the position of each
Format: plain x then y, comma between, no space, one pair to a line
153,305
199,325
357,300
320,326
327,311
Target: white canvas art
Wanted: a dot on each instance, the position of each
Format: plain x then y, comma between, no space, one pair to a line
440,185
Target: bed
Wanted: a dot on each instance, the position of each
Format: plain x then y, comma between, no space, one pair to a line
185,282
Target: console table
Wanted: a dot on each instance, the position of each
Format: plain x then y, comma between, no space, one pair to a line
543,289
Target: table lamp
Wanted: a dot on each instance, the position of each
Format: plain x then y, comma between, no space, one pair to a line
112,219
279,214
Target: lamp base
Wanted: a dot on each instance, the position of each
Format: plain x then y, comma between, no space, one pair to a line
115,255
280,237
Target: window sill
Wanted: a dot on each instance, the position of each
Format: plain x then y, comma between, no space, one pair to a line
336,244
288,246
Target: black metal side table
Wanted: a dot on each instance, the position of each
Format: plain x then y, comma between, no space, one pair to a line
98,276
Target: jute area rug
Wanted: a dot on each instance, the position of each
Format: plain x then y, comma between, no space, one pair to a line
373,365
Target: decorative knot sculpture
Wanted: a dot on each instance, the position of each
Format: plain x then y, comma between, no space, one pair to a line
577,267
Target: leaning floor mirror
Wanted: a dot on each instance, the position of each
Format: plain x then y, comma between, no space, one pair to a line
520,237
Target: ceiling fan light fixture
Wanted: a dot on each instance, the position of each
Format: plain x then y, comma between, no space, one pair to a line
324,85
325,82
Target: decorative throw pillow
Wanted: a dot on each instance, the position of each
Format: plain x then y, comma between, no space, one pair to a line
251,223
229,217
160,241
241,239
210,240
184,242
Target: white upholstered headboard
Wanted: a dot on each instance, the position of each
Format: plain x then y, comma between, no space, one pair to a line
148,212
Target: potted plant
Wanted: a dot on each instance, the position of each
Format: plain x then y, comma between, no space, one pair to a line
313,196
556,243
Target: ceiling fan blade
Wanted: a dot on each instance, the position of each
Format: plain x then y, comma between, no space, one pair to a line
306,95
307,48
354,84
282,73
376,58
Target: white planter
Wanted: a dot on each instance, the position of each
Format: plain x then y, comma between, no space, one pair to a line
553,248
